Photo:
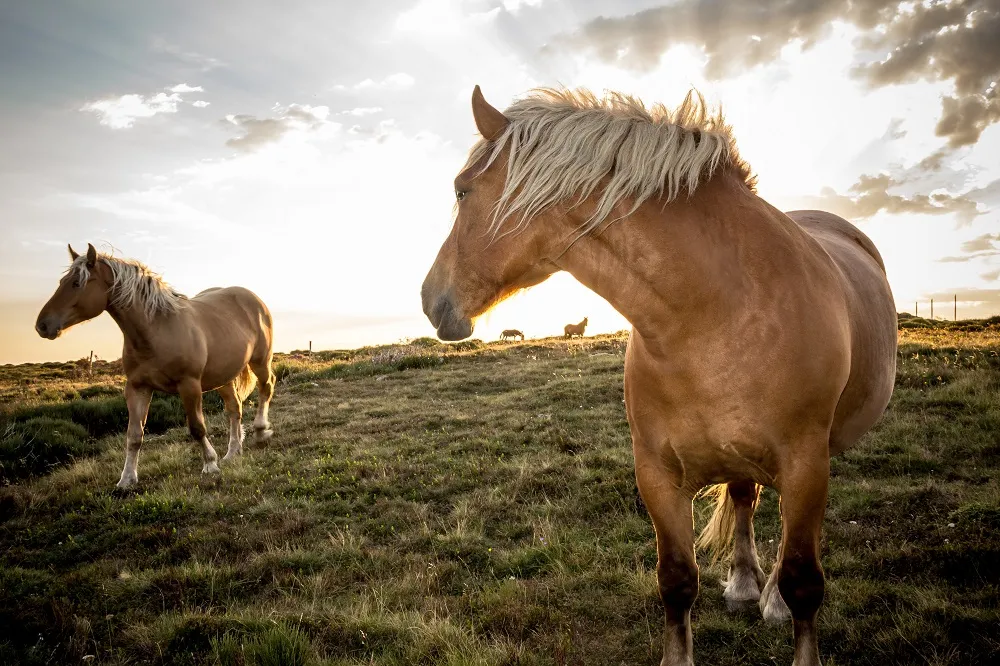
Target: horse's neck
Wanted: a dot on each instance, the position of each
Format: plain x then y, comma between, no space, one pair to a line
659,267
135,326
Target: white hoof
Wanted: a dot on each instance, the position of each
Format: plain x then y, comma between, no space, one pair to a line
232,455
772,606
263,436
127,481
210,468
742,589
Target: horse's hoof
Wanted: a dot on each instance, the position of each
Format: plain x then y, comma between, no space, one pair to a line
126,483
742,589
264,436
210,468
232,455
773,607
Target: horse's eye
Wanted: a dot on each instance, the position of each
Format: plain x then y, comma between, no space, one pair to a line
460,194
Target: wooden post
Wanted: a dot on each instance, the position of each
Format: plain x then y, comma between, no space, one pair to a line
90,364
310,346
956,307
916,309
932,308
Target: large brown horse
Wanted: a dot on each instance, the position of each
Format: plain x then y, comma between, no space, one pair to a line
762,344
220,339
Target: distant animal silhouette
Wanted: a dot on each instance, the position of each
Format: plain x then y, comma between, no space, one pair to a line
510,334
575,329
219,339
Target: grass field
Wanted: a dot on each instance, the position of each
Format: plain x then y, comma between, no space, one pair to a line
471,504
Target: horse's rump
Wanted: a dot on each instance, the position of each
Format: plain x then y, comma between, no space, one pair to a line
871,314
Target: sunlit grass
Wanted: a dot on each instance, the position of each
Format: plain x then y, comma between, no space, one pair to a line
426,503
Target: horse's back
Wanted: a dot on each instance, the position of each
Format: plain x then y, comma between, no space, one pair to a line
872,319
234,313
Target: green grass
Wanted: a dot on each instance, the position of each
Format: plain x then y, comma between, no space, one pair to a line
475,504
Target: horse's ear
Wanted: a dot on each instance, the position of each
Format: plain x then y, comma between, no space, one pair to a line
490,122
72,253
91,256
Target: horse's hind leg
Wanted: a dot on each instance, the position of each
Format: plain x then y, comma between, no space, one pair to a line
746,579
234,410
800,577
265,390
190,392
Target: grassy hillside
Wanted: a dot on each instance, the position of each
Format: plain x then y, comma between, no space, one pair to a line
472,504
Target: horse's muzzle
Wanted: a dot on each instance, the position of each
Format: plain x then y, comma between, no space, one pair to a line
441,313
47,329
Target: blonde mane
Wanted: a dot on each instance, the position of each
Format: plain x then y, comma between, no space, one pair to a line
133,285
569,144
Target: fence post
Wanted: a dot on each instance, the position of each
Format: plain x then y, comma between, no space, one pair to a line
956,307
932,308
90,364
310,346
916,309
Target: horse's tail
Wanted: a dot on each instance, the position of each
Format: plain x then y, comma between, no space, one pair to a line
717,536
244,383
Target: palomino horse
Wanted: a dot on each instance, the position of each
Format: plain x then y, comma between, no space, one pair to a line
510,334
569,330
220,339
762,342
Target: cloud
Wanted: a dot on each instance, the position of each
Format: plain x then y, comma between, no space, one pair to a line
185,88
122,112
515,6
870,196
398,81
963,258
991,275
964,119
981,243
733,36
258,132
203,62
200,104
362,111
894,130
906,41
985,299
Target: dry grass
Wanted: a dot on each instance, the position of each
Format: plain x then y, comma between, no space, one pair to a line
475,504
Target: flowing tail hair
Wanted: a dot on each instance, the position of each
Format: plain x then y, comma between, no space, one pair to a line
717,536
244,383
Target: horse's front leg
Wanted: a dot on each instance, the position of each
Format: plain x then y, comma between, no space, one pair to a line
137,399
190,392
676,570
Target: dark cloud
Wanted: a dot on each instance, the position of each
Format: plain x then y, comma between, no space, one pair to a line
258,132
957,41
964,119
870,195
981,243
983,301
733,35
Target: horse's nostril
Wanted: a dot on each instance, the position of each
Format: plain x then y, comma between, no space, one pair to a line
441,309
41,328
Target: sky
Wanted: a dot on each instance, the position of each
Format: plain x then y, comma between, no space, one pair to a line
307,150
